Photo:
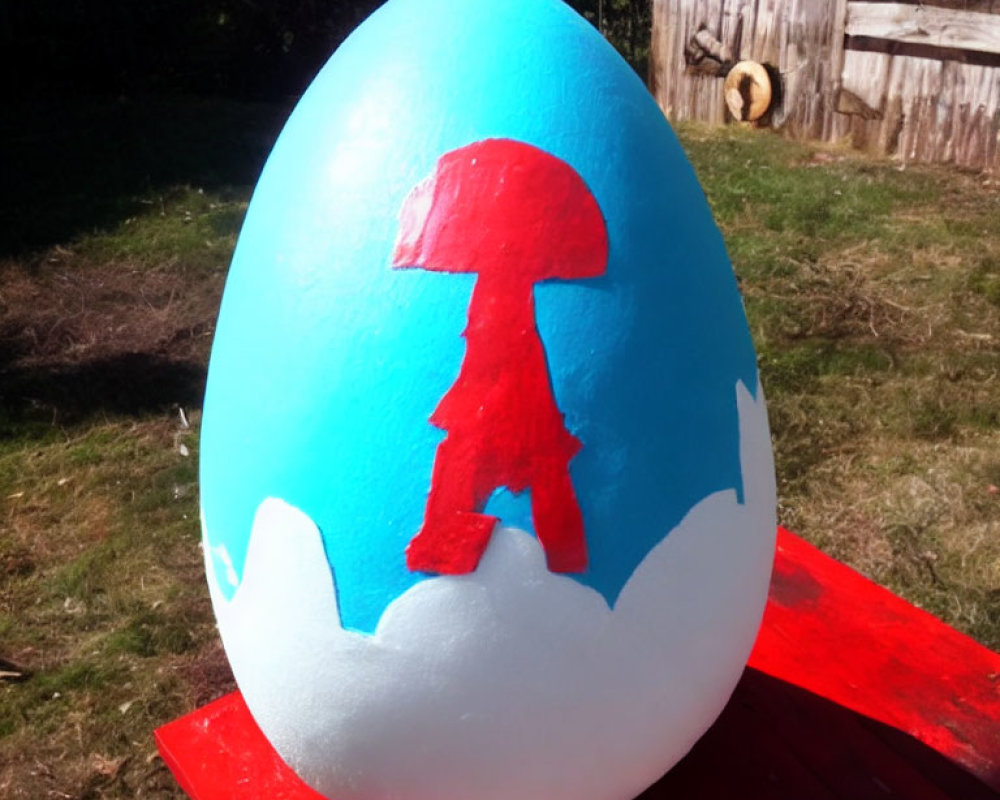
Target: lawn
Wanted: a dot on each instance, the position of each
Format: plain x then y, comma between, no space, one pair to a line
873,295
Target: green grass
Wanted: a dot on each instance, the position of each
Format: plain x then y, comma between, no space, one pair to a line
187,227
873,295
102,594
984,280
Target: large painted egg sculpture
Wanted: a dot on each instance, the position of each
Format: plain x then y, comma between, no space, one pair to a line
488,495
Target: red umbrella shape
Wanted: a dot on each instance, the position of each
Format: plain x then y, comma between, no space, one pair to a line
514,215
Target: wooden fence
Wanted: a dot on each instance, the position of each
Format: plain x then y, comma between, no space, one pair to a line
918,82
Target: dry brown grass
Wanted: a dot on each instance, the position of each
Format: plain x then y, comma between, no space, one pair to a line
103,602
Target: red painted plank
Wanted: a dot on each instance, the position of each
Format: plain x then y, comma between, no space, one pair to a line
219,753
832,631
851,694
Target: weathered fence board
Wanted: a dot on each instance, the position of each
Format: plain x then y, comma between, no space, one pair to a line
924,110
918,82
927,25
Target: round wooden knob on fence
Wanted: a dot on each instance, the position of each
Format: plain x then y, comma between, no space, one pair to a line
748,91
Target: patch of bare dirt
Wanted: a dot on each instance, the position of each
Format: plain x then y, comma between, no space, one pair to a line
79,339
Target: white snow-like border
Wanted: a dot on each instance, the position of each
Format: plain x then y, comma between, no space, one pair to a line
510,682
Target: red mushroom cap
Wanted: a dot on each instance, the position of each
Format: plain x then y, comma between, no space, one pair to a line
506,210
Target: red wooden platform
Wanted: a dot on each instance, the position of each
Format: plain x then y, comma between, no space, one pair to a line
850,693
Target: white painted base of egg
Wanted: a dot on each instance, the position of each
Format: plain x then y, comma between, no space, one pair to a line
510,682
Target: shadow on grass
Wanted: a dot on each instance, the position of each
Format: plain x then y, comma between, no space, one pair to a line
82,164
124,384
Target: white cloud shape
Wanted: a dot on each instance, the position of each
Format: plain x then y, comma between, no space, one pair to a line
509,682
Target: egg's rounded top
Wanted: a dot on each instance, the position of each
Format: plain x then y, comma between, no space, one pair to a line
329,363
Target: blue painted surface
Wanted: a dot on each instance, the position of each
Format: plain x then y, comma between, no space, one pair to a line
327,363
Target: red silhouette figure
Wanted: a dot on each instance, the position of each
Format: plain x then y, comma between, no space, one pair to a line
515,215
